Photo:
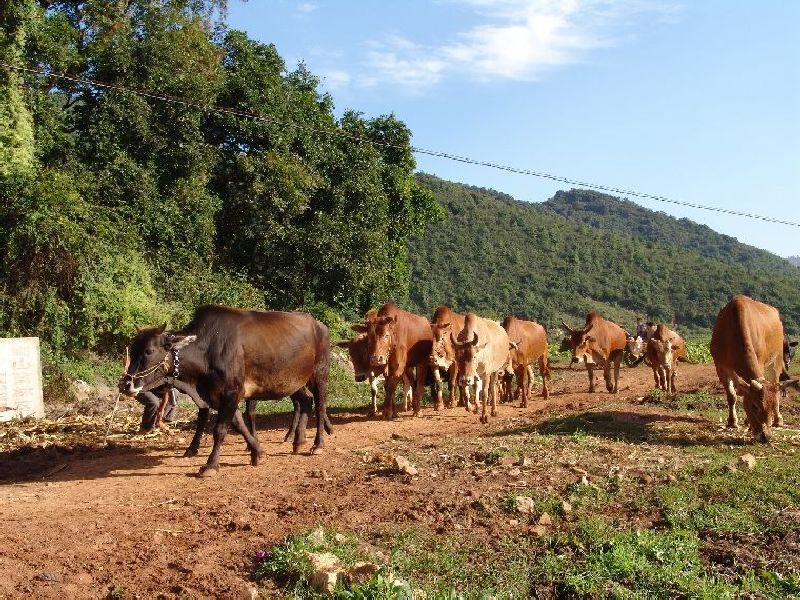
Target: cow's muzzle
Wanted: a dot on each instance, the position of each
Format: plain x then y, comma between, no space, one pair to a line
128,388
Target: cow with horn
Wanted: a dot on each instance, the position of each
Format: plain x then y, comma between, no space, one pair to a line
600,343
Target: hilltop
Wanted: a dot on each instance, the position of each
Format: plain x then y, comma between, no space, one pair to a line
582,250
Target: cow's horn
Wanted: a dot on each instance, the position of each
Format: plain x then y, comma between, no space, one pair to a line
127,358
566,327
514,345
475,339
756,384
453,340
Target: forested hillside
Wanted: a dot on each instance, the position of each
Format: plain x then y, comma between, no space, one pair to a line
795,260
630,219
497,255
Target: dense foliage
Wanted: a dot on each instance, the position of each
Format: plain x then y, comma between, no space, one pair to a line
118,210
496,255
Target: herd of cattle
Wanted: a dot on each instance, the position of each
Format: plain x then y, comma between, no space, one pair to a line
226,355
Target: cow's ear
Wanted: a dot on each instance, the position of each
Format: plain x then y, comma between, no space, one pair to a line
178,341
163,328
359,327
344,344
793,344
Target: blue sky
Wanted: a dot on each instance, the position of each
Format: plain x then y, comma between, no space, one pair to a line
698,101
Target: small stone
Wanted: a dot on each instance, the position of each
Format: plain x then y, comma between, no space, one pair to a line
323,582
539,530
361,572
249,592
324,561
340,538
525,461
515,472
584,480
748,460
317,536
506,460
513,522
402,465
671,478
524,504
545,520
566,507
731,469
48,576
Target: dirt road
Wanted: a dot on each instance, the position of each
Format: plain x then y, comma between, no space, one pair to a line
134,517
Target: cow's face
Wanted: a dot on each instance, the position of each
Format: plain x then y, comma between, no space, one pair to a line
759,398
358,351
584,349
442,354
788,352
380,336
149,358
465,357
664,351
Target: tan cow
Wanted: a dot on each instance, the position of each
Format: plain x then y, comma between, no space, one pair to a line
397,342
664,349
358,351
528,345
600,343
747,347
482,348
443,356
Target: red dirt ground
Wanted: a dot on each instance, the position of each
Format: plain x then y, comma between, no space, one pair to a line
134,516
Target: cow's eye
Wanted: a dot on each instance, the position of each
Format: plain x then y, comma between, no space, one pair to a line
148,352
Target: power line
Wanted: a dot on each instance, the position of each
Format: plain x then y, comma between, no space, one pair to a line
415,149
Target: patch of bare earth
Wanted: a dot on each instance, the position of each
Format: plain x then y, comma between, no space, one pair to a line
82,517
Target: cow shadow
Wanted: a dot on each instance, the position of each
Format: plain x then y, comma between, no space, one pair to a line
631,427
75,462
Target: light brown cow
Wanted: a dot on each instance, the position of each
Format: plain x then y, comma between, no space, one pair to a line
664,349
443,356
747,347
358,351
397,342
600,343
528,346
481,351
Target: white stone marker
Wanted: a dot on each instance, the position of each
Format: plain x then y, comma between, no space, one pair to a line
20,378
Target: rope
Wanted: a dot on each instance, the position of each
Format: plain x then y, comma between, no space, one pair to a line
111,418
415,149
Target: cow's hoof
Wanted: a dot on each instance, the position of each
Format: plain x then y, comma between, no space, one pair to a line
493,413
316,450
484,419
206,471
439,407
255,457
778,423
296,448
190,452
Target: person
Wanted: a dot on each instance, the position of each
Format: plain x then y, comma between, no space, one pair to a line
641,329
151,401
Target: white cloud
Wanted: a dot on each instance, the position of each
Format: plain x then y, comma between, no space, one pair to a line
335,78
306,7
516,39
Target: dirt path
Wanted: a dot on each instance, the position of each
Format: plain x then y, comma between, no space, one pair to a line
136,518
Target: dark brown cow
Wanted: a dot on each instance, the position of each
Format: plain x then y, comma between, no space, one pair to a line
443,355
600,343
747,347
529,345
664,349
358,350
226,354
398,341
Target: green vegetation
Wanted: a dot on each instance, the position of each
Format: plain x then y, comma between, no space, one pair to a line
118,211
496,255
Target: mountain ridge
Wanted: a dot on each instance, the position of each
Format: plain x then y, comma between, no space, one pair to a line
497,255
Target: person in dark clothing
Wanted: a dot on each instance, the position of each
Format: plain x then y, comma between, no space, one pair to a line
151,401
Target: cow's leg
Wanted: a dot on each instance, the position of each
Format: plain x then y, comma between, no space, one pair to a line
373,393
673,377
777,418
228,406
607,375
249,438
452,384
250,421
408,391
389,387
617,362
438,385
419,389
306,406
202,419
656,378
493,387
729,385
544,371
590,371
522,385
295,419
319,387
